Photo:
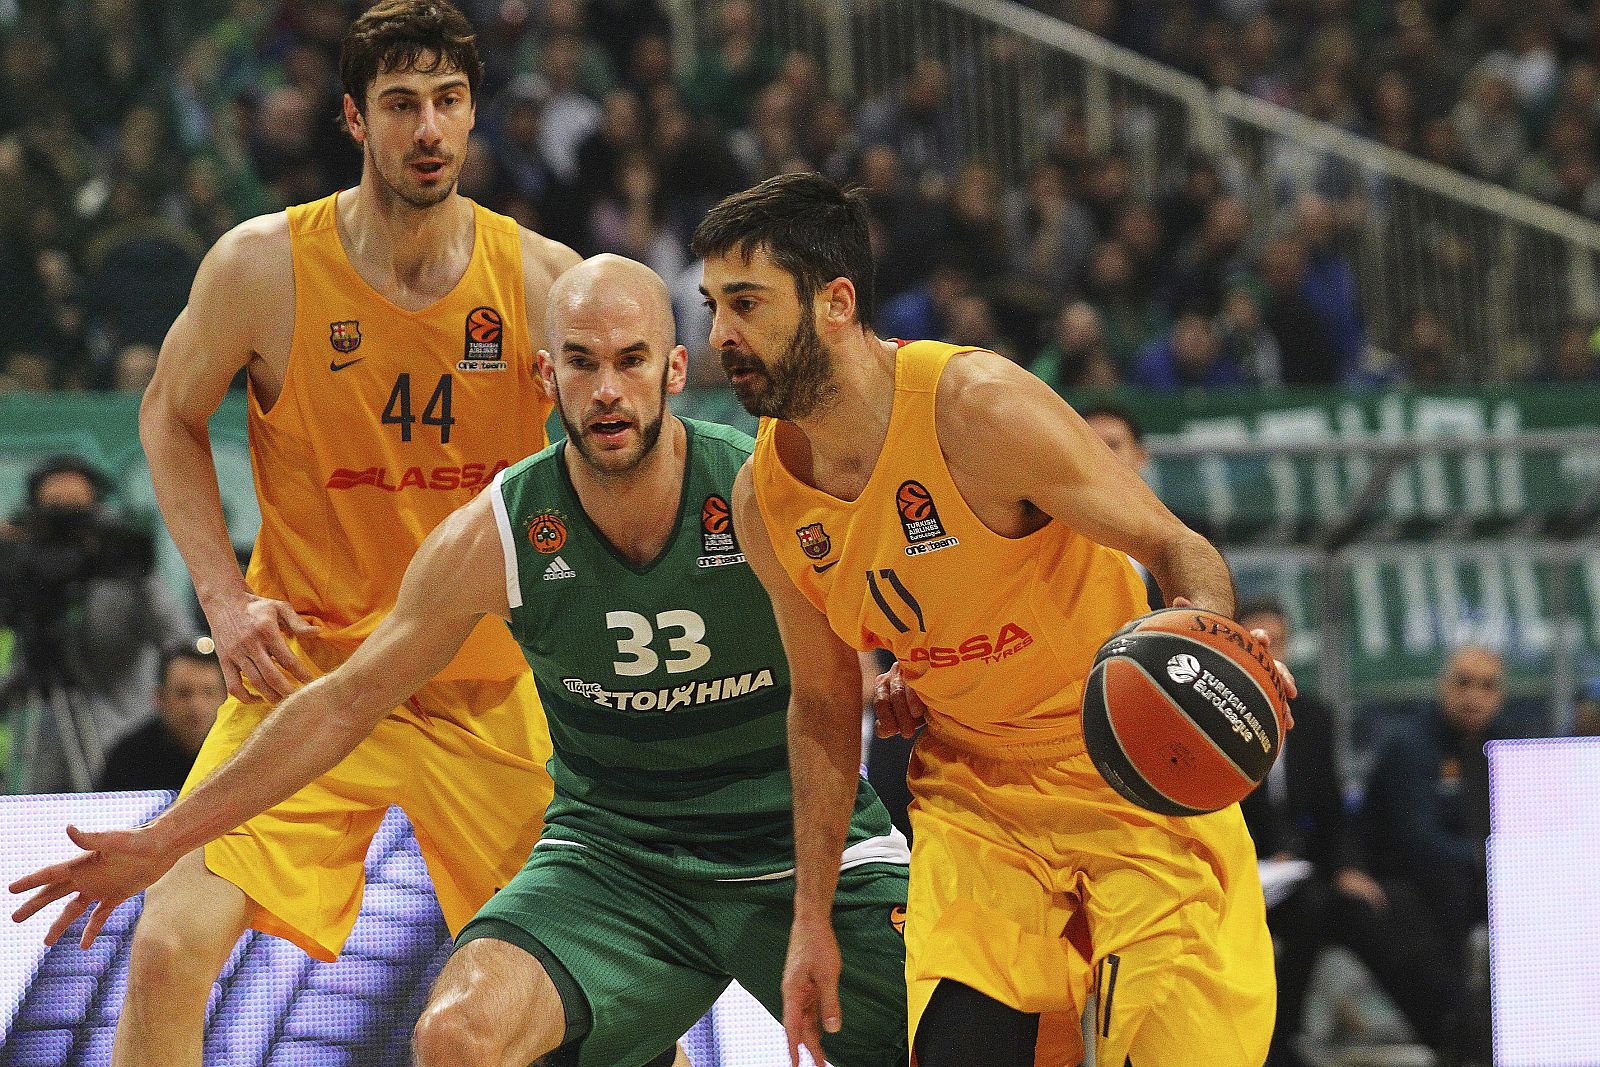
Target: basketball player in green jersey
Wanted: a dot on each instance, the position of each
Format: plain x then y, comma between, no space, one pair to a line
665,869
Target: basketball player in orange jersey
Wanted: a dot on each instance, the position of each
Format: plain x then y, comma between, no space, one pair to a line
385,334
946,505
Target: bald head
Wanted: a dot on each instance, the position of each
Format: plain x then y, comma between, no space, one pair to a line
621,292
1472,689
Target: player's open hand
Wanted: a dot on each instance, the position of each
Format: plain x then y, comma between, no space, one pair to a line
251,648
114,866
896,708
811,989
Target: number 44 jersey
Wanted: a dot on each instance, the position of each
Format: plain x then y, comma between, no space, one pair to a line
665,685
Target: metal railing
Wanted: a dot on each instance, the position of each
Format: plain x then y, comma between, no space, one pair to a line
1503,273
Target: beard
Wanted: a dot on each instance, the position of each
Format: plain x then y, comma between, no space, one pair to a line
798,385
619,460
416,196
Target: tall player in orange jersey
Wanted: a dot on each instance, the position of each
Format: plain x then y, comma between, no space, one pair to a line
385,334
946,505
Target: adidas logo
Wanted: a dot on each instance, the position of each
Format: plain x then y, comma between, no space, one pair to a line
558,569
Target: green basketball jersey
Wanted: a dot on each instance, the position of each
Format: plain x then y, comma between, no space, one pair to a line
665,685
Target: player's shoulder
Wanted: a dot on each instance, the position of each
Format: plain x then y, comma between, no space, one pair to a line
722,440
543,259
250,264
543,463
979,389
258,244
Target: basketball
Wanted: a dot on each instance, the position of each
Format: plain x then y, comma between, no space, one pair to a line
483,325
1183,711
915,503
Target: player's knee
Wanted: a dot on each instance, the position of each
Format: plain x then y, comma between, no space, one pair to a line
454,1033
169,959
447,1034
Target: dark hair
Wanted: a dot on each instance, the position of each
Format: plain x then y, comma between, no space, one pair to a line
397,35
1261,605
66,464
808,225
181,650
1106,409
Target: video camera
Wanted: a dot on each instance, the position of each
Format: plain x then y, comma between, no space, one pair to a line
49,556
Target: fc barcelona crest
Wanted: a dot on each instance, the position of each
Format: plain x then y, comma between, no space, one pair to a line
814,541
345,336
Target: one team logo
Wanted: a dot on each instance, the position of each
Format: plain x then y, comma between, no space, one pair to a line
718,546
485,330
547,533
345,336
897,919
814,541
920,520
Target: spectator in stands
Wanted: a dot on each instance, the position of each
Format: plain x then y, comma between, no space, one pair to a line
630,220
1575,359
1050,233
1330,286
1304,840
566,21
729,74
1185,209
1486,118
1425,826
158,754
1301,331
917,121
1586,709
1130,318
600,156
1189,357
1245,339
1205,265
89,616
1077,357
924,309
568,113
135,366
1426,352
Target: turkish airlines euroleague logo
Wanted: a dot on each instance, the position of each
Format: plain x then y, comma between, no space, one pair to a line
919,518
483,350
718,546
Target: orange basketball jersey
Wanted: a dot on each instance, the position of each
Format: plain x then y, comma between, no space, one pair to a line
388,421
995,634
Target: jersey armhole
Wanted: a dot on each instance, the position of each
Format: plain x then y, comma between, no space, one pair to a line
508,544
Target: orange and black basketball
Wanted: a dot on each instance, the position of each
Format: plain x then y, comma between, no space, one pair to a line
483,325
1184,711
914,501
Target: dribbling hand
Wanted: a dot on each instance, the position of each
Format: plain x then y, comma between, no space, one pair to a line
114,866
811,990
252,651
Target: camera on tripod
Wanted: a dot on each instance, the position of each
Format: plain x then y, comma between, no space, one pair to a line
50,557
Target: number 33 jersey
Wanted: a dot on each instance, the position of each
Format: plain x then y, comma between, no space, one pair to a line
665,685
388,421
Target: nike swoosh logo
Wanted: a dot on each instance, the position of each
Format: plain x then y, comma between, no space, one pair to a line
335,366
820,567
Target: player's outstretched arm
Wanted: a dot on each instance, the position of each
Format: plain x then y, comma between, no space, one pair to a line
243,292
1007,433
824,765
456,577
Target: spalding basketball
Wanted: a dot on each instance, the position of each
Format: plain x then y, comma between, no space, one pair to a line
915,503
1183,712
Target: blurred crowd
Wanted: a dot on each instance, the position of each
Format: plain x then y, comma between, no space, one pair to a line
133,133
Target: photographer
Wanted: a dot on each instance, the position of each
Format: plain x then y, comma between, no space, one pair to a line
77,589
